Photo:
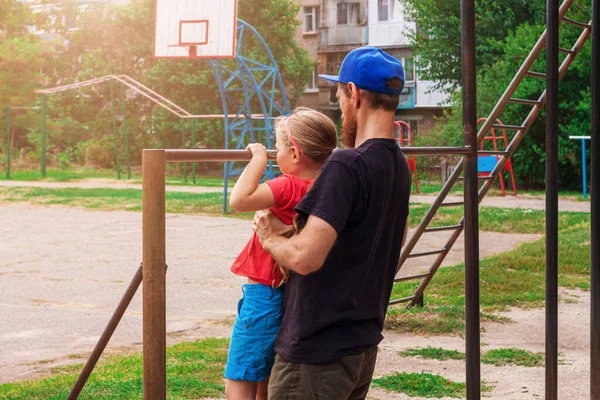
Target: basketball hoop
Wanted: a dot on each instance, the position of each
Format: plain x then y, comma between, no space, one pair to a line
195,29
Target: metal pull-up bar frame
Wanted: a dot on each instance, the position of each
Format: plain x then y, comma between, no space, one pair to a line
154,244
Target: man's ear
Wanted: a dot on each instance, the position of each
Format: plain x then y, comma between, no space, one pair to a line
354,94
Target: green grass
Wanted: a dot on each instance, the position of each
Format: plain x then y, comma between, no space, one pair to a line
194,370
433,353
59,175
512,279
494,219
497,357
73,175
523,358
424,385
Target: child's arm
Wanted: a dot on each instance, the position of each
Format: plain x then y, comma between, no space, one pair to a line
247,194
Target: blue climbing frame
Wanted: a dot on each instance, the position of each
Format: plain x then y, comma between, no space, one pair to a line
250,82
583,163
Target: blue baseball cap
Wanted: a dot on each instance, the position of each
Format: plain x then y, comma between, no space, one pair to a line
370,68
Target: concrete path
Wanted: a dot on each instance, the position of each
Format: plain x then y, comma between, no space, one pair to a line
521,201
63,271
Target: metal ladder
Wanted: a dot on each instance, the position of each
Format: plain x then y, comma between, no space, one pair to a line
504,156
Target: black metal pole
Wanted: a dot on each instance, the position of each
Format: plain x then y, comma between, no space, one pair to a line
551,199
106,335
471,224
595,217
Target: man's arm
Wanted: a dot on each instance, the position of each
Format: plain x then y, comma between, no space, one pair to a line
303,253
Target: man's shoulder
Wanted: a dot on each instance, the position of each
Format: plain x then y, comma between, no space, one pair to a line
368,150
346,157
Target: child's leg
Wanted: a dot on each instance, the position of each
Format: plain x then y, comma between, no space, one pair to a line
240,390
261,394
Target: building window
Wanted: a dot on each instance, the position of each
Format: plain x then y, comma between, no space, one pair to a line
311,86
409,68
348,13
385,10
311,19
334,62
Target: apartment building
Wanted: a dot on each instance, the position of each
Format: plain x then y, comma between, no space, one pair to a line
343,25
307,36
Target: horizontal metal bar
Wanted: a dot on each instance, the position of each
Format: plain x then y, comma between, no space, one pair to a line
492,152
402,300
443,228
536,74
222,116
24,108
580,137
524,101
509,127
426,253
200,155
577,23
481,178
434,151
568,51
452,204
411,277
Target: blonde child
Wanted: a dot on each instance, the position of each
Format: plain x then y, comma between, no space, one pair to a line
305,140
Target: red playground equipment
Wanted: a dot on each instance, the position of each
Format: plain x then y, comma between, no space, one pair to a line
486,164
405,139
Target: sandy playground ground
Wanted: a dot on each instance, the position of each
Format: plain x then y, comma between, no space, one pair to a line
63,270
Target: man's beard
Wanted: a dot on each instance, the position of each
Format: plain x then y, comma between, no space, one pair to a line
349,128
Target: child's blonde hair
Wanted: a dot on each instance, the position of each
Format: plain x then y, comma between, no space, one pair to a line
313,131
315,134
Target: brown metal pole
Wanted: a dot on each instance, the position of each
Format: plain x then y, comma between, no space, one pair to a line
106,335
154,262
552,78
471,219
204,155
595,217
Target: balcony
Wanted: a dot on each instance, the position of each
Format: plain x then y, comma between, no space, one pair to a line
327,98
427,96
343,35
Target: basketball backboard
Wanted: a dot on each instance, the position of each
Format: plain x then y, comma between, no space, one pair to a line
195,28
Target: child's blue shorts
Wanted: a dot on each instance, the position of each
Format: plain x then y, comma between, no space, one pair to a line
251,351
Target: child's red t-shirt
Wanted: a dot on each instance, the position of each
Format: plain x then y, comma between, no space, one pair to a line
254,262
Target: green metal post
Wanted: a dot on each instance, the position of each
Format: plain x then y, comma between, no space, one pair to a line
183,147
43,135
8,142
193,147
125,133
114,122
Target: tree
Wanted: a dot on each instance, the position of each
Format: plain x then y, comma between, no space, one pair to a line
574,92
437,39
119,40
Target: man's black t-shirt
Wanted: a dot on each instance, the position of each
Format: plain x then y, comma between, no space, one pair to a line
363,194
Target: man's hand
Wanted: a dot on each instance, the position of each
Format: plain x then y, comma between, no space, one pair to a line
267,225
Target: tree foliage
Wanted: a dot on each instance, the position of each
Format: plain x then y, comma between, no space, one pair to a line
497,65
118,39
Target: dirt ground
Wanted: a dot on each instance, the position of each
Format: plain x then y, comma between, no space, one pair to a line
63,270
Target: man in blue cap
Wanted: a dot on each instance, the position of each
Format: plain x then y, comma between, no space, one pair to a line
343,261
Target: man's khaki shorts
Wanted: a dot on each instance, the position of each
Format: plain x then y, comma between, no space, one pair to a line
346,379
